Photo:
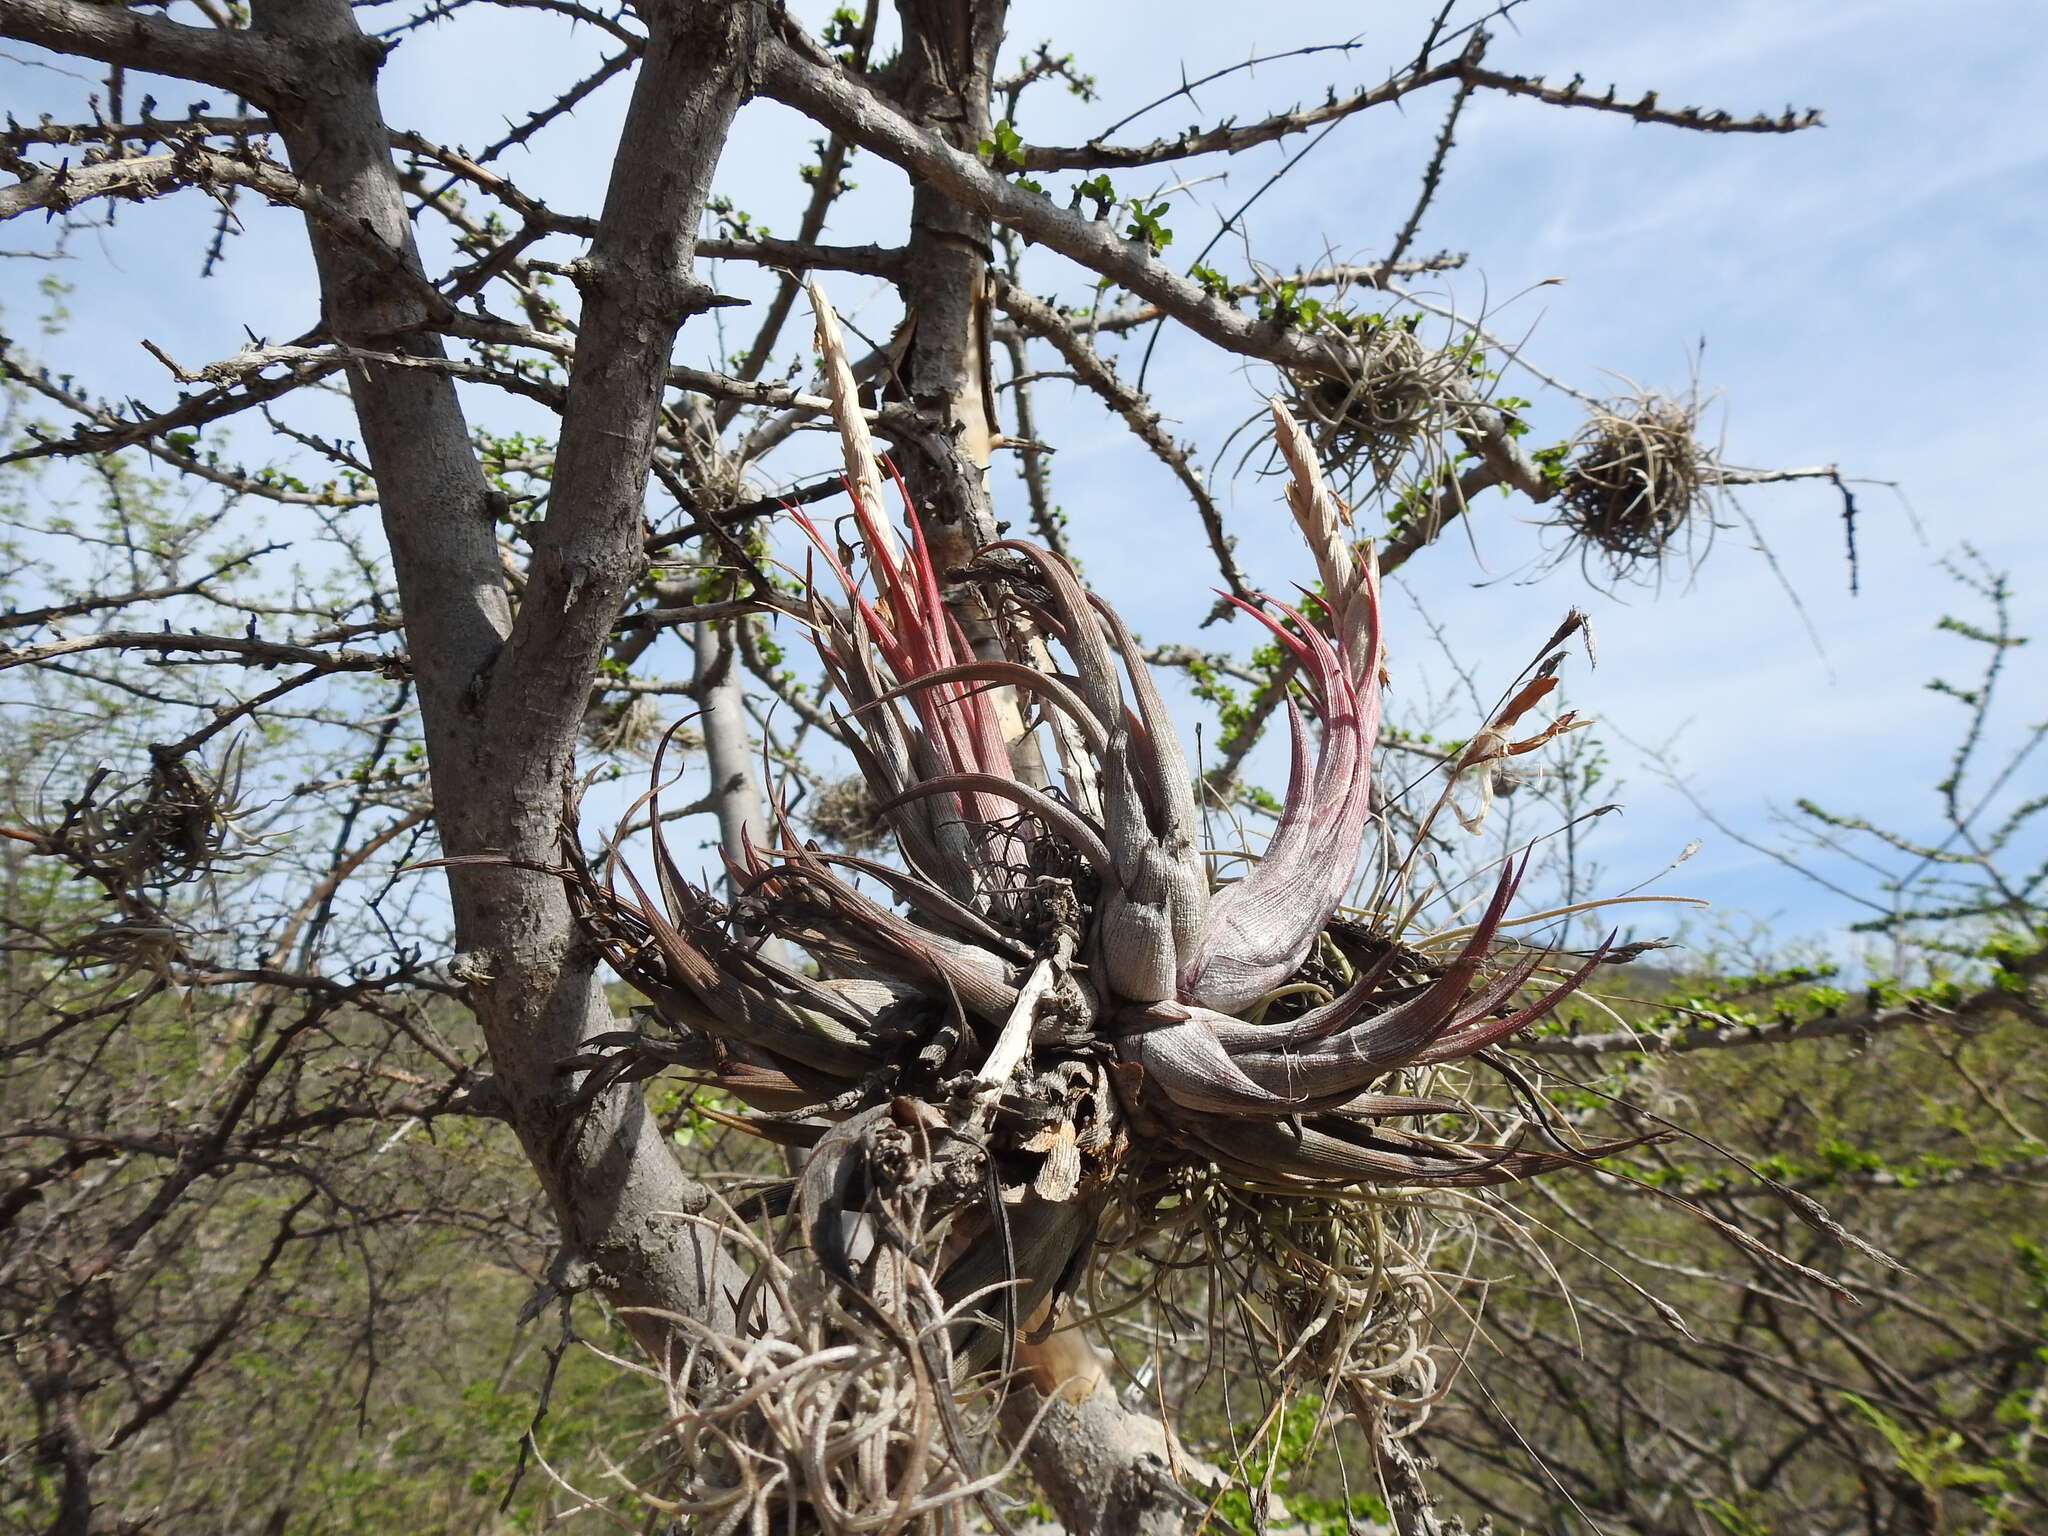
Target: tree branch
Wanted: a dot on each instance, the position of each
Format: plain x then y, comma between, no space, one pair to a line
254,651
259,68
1977,1007
505,711
1128,317
1231,139
793,73
1040,319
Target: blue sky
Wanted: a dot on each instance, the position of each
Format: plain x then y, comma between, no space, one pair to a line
1866,294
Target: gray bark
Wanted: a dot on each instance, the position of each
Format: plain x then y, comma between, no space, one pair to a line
946,77
501,694
255,66
949,51
1103,1469
728,744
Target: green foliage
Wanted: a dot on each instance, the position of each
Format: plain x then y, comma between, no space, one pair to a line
1100,191
841,30
1919,1142
1930,1458
1000,149
1273,1472
1730,1516
1145,223
1284,303
1552,460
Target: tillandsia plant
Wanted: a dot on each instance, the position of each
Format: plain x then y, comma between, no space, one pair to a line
1045,1031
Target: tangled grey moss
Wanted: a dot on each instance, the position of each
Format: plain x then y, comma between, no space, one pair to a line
1638,486
631,727
844,813
177,824
1400,392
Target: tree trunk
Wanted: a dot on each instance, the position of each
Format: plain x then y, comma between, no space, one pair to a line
501,694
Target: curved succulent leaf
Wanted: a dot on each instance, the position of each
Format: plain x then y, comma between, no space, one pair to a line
1261,928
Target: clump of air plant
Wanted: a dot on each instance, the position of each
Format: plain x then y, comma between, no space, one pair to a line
843,813
1398,392
1638,485
1335,1291
177,823
629,728
127,947
135,839
1041,1028
840,1400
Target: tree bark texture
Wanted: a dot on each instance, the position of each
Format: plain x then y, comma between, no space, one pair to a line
948,65
946,78
502,693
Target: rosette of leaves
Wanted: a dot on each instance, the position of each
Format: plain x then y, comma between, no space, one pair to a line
1044,998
